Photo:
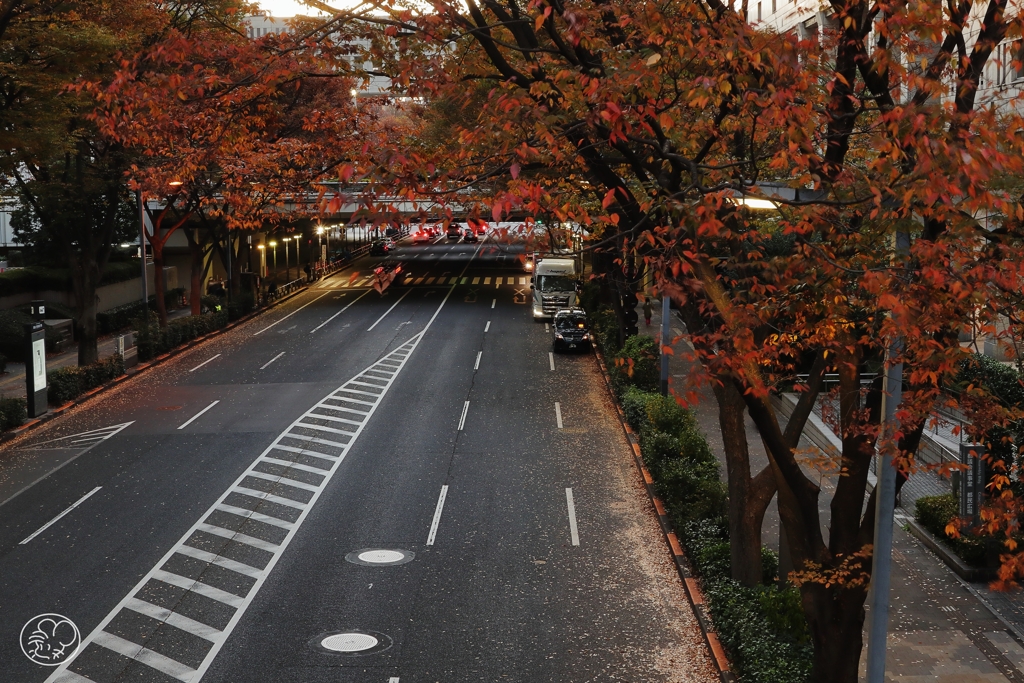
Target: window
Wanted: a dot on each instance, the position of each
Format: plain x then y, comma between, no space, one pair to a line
1013,60
759,11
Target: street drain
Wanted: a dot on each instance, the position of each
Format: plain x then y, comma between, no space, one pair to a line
349,642
380,557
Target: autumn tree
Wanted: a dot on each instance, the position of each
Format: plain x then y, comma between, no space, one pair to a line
657,125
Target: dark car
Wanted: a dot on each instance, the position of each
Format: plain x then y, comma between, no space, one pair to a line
570,330
469,236
379,248
392,231
453,232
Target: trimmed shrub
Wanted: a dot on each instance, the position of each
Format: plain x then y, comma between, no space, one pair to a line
152,340
241,304
13,413
762,628
634,406
934,513
124,316
691,491
68,383
12,334
636,365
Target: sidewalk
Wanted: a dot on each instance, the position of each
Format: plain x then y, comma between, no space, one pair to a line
12,382
941,629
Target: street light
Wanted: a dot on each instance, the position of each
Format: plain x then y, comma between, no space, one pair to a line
287,266
273,245
263,259
319,244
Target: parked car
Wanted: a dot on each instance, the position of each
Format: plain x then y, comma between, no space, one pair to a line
469,236
379,248
570,330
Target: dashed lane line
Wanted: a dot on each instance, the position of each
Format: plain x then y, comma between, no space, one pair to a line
58,517
208,360
558,414
437,515
290,314
242,535
196,416
265,365
574,533
340,312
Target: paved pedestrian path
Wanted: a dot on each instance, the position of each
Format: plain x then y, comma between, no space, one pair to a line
941,629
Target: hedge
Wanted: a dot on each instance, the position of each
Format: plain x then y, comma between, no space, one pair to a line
934,513
13,413
762,628
68,383
152,340
122,317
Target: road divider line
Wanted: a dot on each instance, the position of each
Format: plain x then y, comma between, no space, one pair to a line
256,334
264,367
551,360
196,416
493,302
573,530
487,326
288,504
389,310
476,365
205,362
547,328
341,311
58,517
558,414
437,512
462,420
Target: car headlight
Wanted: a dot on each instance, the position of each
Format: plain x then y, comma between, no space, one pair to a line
558,336
586,337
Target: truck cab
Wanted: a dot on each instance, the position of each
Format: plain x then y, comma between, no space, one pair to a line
554,286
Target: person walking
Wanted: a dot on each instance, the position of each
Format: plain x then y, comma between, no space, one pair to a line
648,310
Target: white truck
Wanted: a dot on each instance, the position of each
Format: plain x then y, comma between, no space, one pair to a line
554,286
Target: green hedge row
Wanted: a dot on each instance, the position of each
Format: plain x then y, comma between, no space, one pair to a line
152,340
123,317
934,513
68,383
763,628
13,413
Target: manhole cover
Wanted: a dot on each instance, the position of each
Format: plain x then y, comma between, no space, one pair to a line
380,557
349,642
352,642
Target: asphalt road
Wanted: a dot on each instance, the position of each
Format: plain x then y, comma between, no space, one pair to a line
351,487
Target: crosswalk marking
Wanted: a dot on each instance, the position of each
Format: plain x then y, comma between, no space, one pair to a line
411,280
453,280
487,280
280,487
476,281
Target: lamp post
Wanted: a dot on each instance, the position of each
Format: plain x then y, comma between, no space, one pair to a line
263,259
273,245
287,265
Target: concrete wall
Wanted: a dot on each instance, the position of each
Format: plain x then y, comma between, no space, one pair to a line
109,296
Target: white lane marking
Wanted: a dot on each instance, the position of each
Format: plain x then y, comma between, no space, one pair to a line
394,679
194,417
551,360
476,365
389,310
173,618
573,531
205,362
476,281
105,434
546,327
437,515
487,326
264,367
340,312
290,314
462,420
399,358
493,301
150,658
558,414
58,517
487,280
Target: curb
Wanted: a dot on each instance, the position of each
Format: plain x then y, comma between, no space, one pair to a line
958,566
690,583
54,413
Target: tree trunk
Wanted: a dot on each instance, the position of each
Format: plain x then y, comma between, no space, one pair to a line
749,497
196,282
85,277
836,620
158,281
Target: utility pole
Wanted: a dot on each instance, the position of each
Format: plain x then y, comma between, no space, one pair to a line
885,506
142,248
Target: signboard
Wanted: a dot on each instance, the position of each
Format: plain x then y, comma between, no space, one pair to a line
39,363
35,376
972,482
